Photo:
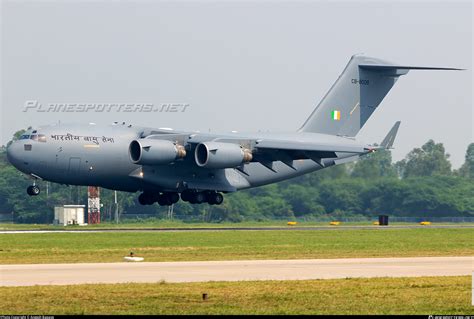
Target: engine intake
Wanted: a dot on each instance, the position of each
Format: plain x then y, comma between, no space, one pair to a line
155,152
221,155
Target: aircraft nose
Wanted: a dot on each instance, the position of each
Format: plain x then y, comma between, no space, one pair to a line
13,153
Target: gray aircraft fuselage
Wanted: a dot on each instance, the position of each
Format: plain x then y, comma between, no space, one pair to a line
99,156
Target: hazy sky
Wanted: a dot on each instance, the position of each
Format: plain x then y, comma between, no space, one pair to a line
246,66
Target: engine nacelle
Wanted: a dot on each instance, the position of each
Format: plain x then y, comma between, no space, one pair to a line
147,151
221,155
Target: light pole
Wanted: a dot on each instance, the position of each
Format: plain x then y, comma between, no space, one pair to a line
116,208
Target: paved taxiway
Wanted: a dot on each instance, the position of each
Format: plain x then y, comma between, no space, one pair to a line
65,274
191,229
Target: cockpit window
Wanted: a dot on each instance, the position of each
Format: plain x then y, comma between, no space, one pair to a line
38,137
25,137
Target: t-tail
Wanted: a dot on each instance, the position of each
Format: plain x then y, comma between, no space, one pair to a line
355,95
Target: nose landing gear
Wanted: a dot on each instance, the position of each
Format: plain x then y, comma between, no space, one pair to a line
33,190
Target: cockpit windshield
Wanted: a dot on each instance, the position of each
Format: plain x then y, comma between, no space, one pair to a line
34,137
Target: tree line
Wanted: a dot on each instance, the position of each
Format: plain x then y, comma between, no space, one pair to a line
423,184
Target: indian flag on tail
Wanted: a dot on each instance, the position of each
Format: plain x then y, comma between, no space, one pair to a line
336,115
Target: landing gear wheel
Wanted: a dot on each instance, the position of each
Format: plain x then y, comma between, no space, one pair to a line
173,197
218,198
164,200
194,197
33,190
192,200
186,195
146,199
167,199
214,198
199,197
142,199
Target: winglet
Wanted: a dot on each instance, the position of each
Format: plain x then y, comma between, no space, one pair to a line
390,138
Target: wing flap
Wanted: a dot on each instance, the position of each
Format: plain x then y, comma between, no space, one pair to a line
269,151
307,146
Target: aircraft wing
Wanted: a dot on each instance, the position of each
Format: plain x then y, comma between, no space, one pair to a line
269,150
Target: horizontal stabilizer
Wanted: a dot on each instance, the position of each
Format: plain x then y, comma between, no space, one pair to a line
390,138
402,67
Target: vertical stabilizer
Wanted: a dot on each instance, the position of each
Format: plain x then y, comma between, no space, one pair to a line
355,95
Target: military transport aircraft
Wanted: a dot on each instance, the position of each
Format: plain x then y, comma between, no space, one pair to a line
166,165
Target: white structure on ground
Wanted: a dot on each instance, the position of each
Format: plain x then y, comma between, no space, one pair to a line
69,215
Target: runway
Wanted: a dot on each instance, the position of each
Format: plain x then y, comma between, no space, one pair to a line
202,271
193,229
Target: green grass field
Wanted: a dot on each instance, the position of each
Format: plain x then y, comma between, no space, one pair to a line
233,245
425,295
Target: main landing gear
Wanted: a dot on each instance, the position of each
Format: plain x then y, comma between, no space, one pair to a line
193,197
162,199
33,190
210,197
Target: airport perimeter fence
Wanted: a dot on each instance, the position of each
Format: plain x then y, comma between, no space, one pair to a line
432,219
140,218
392,219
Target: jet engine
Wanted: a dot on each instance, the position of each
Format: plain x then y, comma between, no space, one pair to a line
155,152
221,155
